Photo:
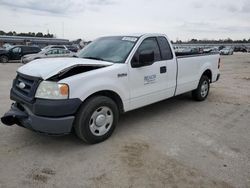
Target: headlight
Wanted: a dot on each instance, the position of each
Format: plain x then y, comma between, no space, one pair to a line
52,90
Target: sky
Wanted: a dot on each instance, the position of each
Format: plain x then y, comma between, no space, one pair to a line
90,19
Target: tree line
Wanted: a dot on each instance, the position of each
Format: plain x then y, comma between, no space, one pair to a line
29,34
192,41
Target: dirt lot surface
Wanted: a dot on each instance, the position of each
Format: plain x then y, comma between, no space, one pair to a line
174,143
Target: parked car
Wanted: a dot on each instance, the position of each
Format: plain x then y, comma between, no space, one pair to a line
66,47
112,75
16,52
49,53
188,51
211,50
227,51
240,49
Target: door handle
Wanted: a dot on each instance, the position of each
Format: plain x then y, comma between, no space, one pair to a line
163,70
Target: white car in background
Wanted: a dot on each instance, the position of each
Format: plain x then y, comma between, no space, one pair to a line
49,53
71,48
227,51
211,50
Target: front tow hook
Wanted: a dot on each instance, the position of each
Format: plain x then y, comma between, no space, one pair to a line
13,116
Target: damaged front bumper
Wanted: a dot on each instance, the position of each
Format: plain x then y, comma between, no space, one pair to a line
22,116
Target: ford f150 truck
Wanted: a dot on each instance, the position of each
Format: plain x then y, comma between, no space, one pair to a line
112,75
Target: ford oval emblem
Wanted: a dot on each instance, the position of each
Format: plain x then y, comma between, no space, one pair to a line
21,85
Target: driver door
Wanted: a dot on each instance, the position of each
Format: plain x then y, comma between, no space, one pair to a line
148,82
15,53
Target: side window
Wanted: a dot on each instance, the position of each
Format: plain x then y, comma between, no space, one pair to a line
16,50
166,51
25,49
149,44
49,52
60,51
55,51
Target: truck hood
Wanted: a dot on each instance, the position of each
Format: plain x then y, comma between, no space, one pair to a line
46,68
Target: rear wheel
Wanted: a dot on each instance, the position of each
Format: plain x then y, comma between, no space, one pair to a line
4,59
96,119
201,93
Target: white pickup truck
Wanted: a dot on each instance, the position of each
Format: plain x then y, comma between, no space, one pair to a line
112,75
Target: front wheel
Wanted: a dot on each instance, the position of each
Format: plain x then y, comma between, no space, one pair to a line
201,93
96,119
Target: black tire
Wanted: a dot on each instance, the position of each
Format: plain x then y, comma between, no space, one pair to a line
4,59
199,94
84,118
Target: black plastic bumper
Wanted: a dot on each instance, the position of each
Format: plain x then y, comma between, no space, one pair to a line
22,116
53,117
48,107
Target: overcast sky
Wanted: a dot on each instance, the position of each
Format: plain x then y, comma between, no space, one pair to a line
89,19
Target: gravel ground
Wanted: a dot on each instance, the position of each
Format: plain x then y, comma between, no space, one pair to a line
174,143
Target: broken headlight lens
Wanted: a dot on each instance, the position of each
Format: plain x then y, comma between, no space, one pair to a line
52,90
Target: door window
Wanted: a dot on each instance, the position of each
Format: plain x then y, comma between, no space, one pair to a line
26,49
52,52
16,50
166,51
149,44
61,51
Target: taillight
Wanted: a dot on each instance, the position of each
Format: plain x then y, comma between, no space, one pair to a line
219,64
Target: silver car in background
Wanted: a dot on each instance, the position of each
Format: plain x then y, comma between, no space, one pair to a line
227,51
49,53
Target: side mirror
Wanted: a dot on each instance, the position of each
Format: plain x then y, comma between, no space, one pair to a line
146,58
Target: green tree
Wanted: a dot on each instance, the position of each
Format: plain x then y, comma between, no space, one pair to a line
10,33
2,32
39,34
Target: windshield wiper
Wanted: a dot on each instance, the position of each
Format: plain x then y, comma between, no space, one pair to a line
95,58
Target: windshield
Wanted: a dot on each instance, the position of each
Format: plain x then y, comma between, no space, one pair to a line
112,49
43,51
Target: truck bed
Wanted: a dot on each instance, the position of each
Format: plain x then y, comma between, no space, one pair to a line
192,54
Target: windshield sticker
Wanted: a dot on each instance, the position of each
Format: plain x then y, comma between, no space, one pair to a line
131,39
149,79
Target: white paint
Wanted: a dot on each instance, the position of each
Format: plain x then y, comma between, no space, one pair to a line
131,88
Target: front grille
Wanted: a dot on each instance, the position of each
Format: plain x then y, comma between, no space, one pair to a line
25,86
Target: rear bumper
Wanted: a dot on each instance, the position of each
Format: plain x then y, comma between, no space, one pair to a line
22,116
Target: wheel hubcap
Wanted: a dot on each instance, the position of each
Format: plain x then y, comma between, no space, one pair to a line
101,121
204,89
